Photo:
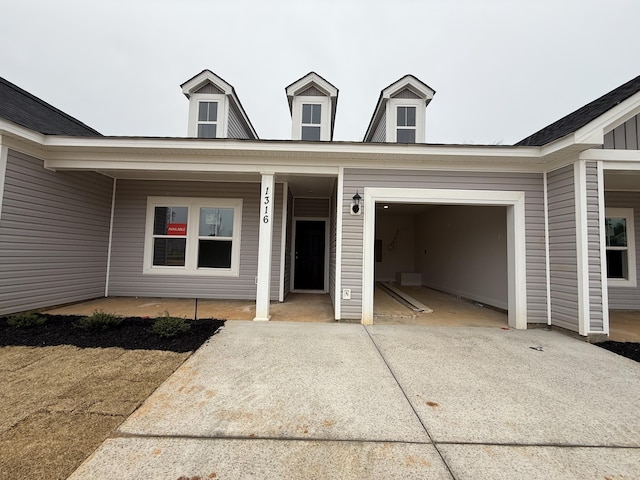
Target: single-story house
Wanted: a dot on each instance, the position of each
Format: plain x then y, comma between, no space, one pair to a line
545,229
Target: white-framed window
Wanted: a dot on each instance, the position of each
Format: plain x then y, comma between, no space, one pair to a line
405,124
192,236
620,244
311,121
207,119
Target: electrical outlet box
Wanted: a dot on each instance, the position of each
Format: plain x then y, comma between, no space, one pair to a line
346,294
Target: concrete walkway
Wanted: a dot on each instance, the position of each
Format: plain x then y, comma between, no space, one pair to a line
312,400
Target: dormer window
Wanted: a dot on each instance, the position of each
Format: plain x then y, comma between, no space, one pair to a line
406,125
207,119
312,103
214,109
311,124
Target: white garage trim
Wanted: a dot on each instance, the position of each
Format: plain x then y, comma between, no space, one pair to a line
516,247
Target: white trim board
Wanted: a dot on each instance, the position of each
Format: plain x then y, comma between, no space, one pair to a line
4,158
516,235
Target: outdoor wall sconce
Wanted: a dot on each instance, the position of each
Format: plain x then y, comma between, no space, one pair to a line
355,206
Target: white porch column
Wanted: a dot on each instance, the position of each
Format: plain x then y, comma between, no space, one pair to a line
264,247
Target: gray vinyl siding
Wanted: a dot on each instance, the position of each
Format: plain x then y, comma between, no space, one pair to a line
562,248
531,184
54,235
380,133
626,298
333,245
237,127
596,317
127,278
311,207
288,244
625,136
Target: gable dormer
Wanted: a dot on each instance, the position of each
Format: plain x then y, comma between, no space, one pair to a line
399,116
312,103
214,109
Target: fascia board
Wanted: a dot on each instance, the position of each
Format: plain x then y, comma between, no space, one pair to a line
14,130
228,146
409,80
609,120
203,77
309,78
611,155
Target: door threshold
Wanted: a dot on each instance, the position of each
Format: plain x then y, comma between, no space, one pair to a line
308,291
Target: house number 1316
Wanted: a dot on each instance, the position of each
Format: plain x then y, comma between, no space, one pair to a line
265,218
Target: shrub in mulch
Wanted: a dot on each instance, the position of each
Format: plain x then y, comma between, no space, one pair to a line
128,333
626,349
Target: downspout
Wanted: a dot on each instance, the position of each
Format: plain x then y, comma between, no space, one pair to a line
546,245
113,205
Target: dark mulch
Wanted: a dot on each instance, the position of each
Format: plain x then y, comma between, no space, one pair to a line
132,333
626,349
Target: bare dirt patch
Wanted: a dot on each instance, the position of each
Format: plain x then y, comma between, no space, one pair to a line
62,397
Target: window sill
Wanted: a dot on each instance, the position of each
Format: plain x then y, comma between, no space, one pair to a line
201,272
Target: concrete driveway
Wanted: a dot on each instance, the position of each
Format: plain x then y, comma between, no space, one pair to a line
311,400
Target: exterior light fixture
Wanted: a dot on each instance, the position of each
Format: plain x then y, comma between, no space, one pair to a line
355,206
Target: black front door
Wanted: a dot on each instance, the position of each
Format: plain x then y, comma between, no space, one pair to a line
309,255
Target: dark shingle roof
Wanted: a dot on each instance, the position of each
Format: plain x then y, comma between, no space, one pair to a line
582,116
19,106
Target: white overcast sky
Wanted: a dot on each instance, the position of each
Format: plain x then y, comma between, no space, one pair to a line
502,69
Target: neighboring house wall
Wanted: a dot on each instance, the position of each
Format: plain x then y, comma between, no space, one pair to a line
54,235
625,298
562,248
625,136
530,183
127,252
463,250
236,127
596,315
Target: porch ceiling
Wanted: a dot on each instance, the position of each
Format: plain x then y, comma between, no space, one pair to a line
627,180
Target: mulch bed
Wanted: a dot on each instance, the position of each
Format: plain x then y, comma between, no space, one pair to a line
626,349
132,333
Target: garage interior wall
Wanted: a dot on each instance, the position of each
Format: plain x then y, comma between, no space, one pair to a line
463,250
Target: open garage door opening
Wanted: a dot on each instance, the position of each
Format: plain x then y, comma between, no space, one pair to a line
454,226
441,264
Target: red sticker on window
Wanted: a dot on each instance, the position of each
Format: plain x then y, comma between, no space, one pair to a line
177,229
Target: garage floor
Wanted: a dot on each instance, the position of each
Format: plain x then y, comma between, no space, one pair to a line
447,310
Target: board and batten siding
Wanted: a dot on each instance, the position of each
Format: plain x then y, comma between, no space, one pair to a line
596,314
530,183
626,298
625,136
562,248
127,254
54,235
